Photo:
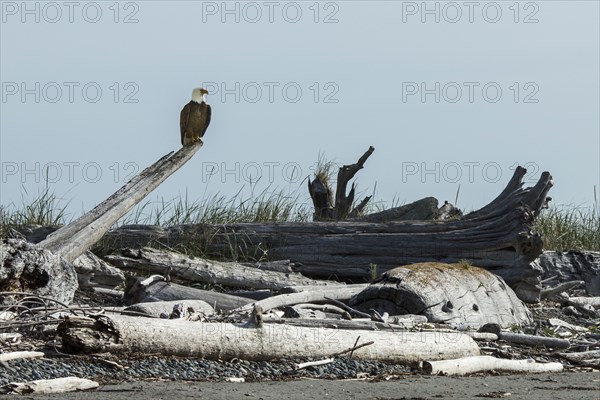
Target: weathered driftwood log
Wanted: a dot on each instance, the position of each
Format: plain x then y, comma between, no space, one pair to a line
73,239
572,266
50,270
25,267
459,295
194,269
362,324
322,196
529,340
586,301
420,210
498,237
298,289
139,291
308,296
49,386
547,293
472,365
94,272
224,341
581,356
155,309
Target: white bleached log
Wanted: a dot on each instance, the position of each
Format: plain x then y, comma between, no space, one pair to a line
10,336
48,386
19,355
225,341
586,301
471,365
582,355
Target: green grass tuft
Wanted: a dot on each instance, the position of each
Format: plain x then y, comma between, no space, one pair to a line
44,209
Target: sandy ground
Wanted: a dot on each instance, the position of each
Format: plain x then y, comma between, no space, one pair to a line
564,386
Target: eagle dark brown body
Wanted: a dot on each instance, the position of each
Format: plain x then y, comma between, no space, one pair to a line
194,120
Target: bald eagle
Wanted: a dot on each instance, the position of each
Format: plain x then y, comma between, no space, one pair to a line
194,118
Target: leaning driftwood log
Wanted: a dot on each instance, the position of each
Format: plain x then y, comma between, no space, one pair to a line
459,295
47,269
73,239
471,365
499,237
225,341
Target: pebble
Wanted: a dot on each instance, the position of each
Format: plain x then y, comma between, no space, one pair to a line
189,369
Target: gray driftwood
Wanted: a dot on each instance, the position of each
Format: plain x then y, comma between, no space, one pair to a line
321,294
199,270
529,340
322,195
25,267
94,272
225,341
569,266
136,291
155,309
424,209
498,237
458,295
362,324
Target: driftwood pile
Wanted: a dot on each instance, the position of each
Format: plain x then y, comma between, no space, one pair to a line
445,291
498,237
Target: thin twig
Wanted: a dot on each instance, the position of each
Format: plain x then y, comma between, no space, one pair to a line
353,348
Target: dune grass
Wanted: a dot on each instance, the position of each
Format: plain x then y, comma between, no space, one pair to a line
45,208
570,228
268,206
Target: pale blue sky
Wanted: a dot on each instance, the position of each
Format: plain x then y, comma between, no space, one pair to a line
360,75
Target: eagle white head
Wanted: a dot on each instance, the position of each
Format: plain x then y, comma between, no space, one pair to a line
199,95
